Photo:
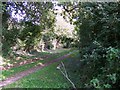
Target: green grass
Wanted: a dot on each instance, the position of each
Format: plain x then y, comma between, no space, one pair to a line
72,65
13,60
12,71
50,77
24,57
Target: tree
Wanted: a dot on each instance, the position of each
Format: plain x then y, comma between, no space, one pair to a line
35,18
9,31
97,27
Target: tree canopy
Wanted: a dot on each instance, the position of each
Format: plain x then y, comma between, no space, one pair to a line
97,25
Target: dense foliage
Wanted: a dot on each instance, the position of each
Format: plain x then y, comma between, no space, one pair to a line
98,25
35,17
31,25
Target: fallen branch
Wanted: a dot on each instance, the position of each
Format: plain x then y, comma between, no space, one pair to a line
66,75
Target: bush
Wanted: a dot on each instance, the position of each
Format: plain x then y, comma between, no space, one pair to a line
97,27
104,64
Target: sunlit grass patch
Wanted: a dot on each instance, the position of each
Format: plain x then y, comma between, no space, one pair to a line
48,77
12,71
